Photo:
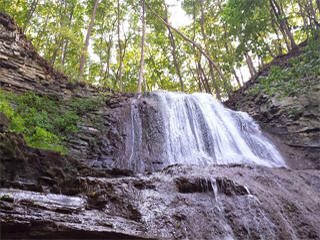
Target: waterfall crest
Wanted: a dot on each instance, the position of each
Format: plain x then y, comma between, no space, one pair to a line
169,128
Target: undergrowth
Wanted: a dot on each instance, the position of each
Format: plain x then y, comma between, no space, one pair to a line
44,121
297,77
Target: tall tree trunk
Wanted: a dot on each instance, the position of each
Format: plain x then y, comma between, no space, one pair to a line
252,70
204,78
312,13
65,48
236,76
200,79
279,26
120,47
302,13
274,27
145,84
142,46
58,45
176,64
84,54
109,44
198,71
106,75
43,30
64,54
214,82
174,52
199,83
190,41
33,7
283,23
58,39
124,49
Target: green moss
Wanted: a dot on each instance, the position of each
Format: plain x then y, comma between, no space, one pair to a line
46,122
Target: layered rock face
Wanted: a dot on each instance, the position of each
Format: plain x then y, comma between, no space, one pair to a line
292,122
21,68
46,195
179,202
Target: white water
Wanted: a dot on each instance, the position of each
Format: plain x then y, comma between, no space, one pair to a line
197,129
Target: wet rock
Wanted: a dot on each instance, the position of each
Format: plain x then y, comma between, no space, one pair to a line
177,203
230,188
33,169
198,185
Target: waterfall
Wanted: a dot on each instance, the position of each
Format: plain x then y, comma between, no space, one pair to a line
169,128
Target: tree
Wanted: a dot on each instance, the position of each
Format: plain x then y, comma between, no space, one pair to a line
143,24
224,37
190,41
84,53
283,23
174,51
120,47
204,37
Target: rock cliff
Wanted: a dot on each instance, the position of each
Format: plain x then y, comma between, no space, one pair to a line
292,121
21,67
46,195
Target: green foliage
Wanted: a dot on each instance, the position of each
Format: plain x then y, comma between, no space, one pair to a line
45,113
83,105
233,28
16,122
296,78
45,122
41,138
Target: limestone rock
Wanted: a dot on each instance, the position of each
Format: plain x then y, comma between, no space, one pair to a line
180,202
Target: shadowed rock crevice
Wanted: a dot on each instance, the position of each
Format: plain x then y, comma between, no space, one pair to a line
217,186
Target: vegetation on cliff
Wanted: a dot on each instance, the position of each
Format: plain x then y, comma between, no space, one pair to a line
295,75
44,121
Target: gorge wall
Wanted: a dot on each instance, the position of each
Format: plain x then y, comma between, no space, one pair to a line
23,70
46,195
292,121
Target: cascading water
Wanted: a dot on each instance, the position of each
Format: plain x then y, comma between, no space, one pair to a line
169,128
